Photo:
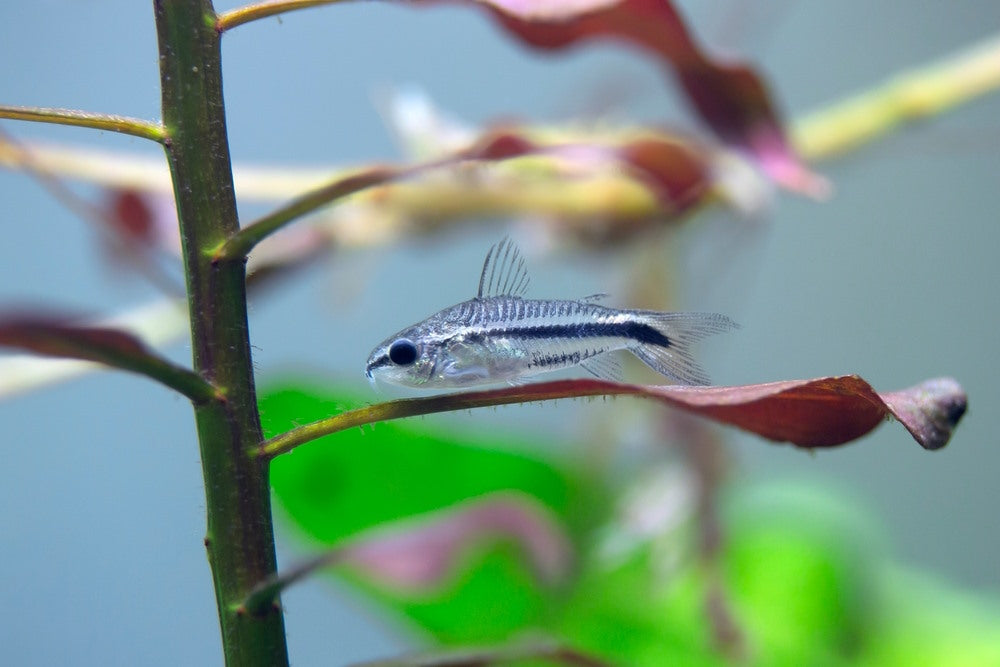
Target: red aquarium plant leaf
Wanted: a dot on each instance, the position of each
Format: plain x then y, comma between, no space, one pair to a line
679,172
54,336
131,214
729,96
821,412
418,554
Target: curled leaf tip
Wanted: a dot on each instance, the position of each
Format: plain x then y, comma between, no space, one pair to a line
777,160
930,410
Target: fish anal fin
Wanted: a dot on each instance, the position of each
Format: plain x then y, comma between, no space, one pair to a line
605,366
504,272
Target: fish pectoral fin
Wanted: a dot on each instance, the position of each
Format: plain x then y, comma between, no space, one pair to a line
466,374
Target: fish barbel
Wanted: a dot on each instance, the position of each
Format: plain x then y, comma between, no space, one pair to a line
499,336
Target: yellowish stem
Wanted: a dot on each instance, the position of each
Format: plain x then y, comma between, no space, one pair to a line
263,10
95,121
911,96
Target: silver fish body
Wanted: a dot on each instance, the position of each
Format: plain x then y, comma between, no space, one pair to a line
499,336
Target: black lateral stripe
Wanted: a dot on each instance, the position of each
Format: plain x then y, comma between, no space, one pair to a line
637,331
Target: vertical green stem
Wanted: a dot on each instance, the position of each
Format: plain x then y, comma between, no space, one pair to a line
240,537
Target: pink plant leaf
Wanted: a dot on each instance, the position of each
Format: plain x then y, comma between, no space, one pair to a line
55,336
730,97
821,412
417,554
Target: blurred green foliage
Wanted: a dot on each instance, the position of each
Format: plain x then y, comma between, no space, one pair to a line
805,576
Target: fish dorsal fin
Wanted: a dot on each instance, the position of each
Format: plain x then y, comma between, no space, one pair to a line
504,273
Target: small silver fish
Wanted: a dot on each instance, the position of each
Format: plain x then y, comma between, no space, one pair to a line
499,336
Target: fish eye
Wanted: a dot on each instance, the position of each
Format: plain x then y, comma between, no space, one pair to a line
403,352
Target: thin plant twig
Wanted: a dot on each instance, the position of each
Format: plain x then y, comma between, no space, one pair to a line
241,243
143,129
910,96
262,10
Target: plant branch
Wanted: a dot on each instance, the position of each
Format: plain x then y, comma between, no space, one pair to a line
911,96
154,324
821,412
263,10
821,135
50,336
411,407
96,121
265,595
240,244
240,534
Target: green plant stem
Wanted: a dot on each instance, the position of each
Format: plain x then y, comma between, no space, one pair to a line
240,534
246,239
411,407
263,10
96,121
269,590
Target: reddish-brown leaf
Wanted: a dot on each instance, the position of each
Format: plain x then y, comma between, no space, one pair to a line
807,413
59,337
821,412
730,97
678,174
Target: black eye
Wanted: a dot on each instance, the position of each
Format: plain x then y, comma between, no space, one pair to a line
403,352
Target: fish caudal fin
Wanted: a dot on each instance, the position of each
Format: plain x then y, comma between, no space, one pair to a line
681,330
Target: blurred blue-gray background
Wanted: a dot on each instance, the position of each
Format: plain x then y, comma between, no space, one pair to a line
896,278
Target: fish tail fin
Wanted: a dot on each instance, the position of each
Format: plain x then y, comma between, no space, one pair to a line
672,357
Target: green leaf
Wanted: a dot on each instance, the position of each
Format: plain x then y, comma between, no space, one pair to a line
803,569
926,622
341,484
796,573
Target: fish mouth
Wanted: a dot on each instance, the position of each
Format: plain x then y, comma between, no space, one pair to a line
373,363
